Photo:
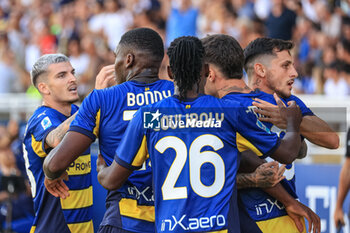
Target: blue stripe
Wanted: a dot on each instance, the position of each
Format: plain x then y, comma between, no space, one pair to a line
83,131
79,182
78,215
125,164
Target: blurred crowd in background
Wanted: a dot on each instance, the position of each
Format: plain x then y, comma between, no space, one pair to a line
89,30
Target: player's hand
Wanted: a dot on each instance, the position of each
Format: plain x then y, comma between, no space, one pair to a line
296,211
292,113
338,217
57,187
269,174
270,112
105,77
100,163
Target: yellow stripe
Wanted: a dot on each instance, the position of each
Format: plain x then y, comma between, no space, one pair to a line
84,227
141,155
243,145
97,123
281,224
78,199
81,166
32,230
129,208
37,147
222,231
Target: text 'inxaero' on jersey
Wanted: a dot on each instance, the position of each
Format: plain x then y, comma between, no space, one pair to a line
105,114
193,149
55,214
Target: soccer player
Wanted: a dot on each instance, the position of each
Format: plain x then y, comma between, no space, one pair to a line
270,68
192,141
343,187
53,76
104,114
225,58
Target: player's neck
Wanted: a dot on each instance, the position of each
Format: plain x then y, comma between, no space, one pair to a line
190,94
147,75
232,85
258,83
64,108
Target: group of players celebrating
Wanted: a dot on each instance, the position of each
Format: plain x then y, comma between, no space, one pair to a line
199,154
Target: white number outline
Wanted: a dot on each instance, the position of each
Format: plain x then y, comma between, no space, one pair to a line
29,172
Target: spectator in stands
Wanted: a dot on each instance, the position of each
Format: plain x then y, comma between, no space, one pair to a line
335,85
281,21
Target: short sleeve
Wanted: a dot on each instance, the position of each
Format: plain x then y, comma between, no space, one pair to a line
44,125
253,135
305,111
87,119
132,150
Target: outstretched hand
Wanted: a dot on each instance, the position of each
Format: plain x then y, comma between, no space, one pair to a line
270,112
297,211
57,187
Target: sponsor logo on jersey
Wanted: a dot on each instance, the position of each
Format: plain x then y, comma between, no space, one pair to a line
46,123
193,223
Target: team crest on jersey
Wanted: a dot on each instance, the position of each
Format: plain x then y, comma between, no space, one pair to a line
46,123
151,120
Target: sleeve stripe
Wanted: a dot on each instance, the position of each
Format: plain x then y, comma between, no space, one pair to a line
38,148
125,164
83,131
97,123
243,144
142,154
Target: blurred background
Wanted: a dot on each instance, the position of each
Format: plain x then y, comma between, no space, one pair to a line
88,31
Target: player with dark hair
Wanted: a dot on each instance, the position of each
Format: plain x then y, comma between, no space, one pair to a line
193,146
104,114
270,69
53,76
223,84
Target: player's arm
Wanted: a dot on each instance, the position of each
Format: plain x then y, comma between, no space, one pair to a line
59,159
55,136
318,132
312,127
254,172
111,177
343,187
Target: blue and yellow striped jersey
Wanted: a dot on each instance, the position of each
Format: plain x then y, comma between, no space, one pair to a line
193,146
52,214
259,204
105,114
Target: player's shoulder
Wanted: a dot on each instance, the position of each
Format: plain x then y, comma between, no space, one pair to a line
42,116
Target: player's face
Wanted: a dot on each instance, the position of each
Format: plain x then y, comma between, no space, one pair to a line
281,74
120,74
62,83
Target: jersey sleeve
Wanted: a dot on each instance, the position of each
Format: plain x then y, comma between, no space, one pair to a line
132,150
253,135
347,154
305,111
87,119
43,126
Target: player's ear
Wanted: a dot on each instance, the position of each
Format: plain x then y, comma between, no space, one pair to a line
211,73
129,61
170,74
260,69
43,88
